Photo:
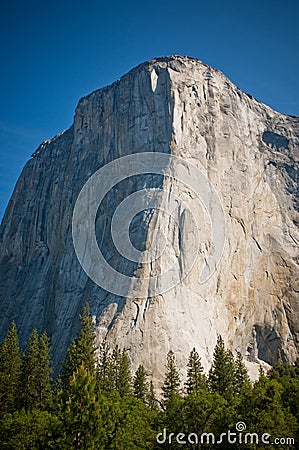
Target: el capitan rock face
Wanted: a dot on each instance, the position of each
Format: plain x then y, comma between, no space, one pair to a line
249,153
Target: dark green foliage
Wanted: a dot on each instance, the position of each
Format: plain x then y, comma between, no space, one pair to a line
264,411
133,425
196,379
140,385
151,400
102,408
30,430
94,421
82,349
290,395
207,411
222,372
81,416
170,416
288,377
199,413
172,380
36,392
113,371
121,372
104,370
30,396
124,378
241,377
10,369
44,374
283,370
58,394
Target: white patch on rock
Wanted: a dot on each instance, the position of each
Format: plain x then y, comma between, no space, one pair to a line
154,80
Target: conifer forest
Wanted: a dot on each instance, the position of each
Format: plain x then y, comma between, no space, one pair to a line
97,403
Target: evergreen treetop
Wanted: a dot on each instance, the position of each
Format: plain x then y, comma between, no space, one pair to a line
82,349
104,371
241,378
121,372
10,371
222,372
140,385
196,378
36,374
81,417
172,380
44,374
29,378
151,400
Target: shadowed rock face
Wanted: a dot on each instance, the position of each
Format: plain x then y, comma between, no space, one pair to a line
249,152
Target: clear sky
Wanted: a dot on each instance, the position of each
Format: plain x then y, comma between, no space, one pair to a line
53,53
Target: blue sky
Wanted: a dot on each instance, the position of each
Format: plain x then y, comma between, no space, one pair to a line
54,52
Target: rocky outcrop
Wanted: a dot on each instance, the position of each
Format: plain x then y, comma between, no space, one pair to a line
249,153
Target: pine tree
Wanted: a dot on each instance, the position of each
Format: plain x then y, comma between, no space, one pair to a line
151,401
263,409
222,372
121,372
44,374
125,377
132,425
140,385
10,365
196,379
81,350
36,374
282,370
58,395
172,377
104,370
241,379
30,395
82,420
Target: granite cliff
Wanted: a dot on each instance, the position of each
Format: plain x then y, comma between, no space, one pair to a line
248,152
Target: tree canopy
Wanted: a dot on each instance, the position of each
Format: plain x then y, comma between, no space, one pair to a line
97,403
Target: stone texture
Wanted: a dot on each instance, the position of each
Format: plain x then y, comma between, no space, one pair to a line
248,151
